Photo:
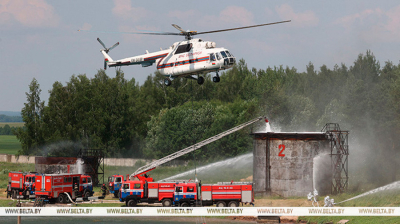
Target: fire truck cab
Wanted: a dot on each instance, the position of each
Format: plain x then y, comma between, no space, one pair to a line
21,185
185,194
61,187
114,184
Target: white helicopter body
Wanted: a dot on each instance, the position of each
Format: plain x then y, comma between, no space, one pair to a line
186,58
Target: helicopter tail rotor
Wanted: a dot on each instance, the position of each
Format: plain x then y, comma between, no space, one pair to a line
105,52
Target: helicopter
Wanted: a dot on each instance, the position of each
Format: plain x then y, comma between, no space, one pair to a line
188,58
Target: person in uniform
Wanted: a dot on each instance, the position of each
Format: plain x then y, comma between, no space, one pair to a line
104,190
8,190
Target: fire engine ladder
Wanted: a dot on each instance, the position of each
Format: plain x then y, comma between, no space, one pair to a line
191,148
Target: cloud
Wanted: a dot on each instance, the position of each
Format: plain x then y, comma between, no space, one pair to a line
183,15
124,10
237,15
230,16
362,18
393,23
373,24
30,13
304,19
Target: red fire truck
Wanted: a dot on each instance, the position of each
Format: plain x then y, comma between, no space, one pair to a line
21,185
133,192
186,194
55,187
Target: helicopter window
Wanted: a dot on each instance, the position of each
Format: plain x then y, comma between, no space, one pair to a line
212,57
218,56
183,48
223,54
229,54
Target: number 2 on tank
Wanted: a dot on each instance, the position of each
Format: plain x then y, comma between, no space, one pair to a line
281,146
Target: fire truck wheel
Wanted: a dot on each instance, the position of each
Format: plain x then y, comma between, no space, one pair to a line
61,199
116,195
166,203
221,204
119,194
87,194
185,204
131,203
233,204
14,194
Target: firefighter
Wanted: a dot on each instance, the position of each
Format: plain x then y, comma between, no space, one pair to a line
8,190
76,186
103,190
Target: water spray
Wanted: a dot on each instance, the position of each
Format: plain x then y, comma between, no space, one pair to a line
394,185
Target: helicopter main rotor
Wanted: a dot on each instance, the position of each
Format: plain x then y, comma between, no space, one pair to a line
189,34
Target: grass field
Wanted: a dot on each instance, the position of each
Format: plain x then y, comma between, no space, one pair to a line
12,124
9,144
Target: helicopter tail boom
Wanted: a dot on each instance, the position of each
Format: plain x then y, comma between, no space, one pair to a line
106,56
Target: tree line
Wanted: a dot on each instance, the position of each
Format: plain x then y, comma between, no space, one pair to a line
7,130
5,118
151,120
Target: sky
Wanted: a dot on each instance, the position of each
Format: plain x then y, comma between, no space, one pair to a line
39,38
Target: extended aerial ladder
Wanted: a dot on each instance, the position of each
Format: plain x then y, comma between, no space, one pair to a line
140,173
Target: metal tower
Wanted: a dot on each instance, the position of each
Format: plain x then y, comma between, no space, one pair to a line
339,156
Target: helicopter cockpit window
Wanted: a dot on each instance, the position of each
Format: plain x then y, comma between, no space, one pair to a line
229,54
212,57
218,56
223,54
183,48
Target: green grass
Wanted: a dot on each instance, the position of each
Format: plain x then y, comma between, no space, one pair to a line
9,144
12,124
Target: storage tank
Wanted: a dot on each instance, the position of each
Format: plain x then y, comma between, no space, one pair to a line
283,163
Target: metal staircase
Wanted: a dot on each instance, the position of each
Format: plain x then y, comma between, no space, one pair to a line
191,148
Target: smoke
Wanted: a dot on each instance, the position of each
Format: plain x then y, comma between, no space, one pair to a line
61,149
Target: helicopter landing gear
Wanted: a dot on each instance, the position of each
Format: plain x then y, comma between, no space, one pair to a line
200,80
167,82
216,78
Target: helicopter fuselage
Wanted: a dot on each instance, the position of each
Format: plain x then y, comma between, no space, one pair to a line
185,58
